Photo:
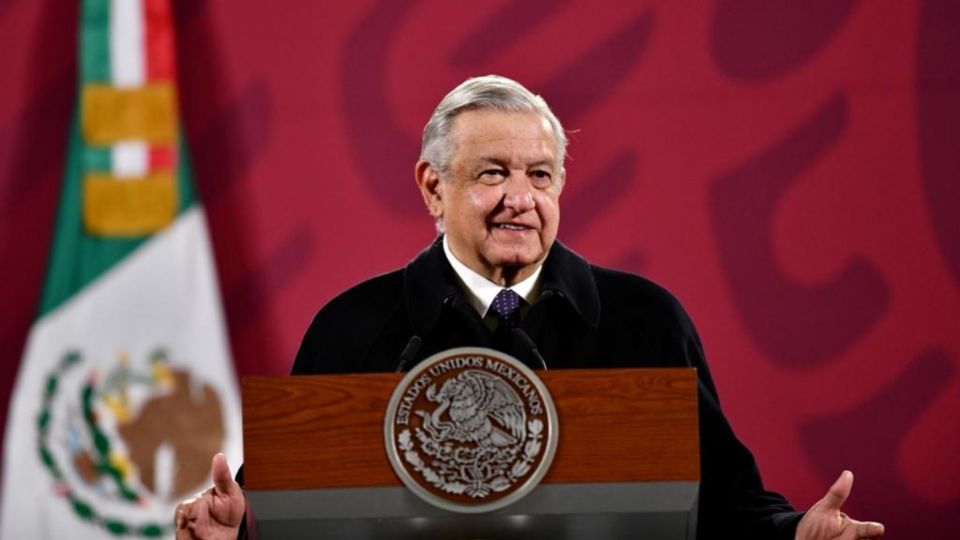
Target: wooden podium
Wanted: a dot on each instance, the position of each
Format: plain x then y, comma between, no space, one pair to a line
627,462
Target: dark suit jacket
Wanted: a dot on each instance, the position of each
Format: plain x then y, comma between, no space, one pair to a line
586,317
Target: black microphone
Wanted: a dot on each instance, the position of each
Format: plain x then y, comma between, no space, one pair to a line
409,351
524,339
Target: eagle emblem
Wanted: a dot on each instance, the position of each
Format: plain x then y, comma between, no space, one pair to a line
475,407
471,430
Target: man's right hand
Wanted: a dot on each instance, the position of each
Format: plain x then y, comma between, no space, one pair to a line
216,513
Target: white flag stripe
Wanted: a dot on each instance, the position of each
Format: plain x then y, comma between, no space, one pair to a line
130,159
127,61
164,294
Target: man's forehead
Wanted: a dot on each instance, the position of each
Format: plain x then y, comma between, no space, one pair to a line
507,159
493,136
494,122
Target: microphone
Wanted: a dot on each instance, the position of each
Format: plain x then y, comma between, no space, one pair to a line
524,339
409,351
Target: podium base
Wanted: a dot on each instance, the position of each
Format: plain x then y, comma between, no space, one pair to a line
649,510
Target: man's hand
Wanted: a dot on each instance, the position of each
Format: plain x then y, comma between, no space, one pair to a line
216,513
825,521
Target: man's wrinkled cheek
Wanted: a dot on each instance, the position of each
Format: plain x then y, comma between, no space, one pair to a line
482,201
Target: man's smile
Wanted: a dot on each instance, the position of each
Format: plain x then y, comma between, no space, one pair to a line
512,226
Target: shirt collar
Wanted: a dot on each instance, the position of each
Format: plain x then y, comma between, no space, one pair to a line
430,283
480,291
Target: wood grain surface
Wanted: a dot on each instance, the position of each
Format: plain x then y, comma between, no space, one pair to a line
326,431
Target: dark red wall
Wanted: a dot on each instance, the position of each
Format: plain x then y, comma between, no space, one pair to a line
791,170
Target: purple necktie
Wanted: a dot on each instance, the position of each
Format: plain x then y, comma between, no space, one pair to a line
507,306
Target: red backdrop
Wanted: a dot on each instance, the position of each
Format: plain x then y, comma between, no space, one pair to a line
789,169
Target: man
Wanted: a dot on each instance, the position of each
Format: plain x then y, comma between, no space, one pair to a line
491,174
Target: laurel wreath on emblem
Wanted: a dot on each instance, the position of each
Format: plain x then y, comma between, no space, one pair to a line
477,440
452,479
82,508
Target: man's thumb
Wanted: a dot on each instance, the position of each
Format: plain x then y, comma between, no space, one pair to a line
838,492
220,473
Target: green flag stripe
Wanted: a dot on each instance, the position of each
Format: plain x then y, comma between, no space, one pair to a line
95,42
97,159
77,258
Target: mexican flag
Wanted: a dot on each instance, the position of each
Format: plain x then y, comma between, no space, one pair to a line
126,389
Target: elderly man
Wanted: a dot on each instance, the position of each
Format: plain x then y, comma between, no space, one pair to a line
491,174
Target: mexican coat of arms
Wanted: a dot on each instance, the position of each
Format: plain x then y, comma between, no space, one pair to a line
471,430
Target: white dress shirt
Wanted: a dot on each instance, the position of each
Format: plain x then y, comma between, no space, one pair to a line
480,291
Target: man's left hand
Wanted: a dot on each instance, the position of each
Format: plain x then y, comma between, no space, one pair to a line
825,521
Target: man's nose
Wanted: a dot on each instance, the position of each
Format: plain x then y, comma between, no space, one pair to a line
517,194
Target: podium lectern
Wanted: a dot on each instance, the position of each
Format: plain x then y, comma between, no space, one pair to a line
627,462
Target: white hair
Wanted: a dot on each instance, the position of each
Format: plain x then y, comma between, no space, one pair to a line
491,92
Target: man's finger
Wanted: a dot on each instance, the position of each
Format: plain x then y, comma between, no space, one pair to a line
869,529
182,514
220,472
838,492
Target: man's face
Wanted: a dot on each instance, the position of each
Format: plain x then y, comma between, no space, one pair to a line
499,199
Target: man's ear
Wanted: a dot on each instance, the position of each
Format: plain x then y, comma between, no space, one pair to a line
431,188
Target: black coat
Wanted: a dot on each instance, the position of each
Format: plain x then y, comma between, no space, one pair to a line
586,317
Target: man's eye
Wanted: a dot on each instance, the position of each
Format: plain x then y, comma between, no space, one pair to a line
493,175
541,178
